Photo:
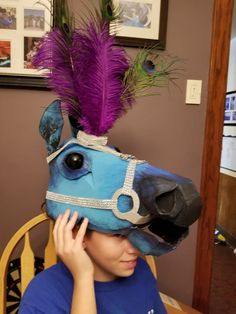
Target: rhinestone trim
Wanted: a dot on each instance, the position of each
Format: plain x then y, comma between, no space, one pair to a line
131,215
92,142
80,201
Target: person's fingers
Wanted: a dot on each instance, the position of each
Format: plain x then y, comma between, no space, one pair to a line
81,232
71,223
68,234
60,230
55,230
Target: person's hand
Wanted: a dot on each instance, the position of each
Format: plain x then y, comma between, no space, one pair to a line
70,248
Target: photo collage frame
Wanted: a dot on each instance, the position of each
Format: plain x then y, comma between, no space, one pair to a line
22,25
143,23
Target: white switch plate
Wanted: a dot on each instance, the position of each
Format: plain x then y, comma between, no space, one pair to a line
193,92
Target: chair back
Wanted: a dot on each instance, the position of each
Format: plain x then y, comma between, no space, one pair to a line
152,264
26,259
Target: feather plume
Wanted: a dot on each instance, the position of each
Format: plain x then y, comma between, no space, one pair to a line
91,74
60,15
99,67
149,69
53,55
109,12
63,18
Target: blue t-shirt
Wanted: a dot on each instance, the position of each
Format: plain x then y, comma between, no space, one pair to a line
50,292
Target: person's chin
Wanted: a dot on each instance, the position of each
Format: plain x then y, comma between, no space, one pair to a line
128,267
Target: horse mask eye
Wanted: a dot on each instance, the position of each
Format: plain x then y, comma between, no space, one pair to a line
74,161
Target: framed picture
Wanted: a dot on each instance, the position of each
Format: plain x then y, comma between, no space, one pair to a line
22,25
143,23
230,108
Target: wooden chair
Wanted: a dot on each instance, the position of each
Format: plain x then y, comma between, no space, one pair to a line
27,257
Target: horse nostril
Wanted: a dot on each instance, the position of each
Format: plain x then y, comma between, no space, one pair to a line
165,202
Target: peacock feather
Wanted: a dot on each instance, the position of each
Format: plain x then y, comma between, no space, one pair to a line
149,69
109,12
63,18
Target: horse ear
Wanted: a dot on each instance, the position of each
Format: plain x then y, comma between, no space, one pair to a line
51,125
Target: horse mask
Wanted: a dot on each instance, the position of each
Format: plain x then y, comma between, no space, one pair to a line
96,83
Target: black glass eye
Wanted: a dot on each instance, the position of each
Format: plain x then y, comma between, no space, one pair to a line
148,65
74,161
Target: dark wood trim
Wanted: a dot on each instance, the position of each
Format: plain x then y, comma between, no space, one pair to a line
221,30
27,82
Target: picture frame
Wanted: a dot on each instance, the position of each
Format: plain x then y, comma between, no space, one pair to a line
230,108
143,23
22,25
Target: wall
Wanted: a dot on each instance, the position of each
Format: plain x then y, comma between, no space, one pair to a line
231,82
161,129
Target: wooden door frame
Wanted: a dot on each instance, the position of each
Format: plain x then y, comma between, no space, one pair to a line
217,82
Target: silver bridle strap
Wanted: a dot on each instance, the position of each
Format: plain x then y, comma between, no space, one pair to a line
98,143
132,215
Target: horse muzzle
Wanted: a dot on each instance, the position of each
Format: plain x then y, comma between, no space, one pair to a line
173,206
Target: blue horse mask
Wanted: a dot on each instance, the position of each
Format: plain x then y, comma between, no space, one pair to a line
117,192
96,83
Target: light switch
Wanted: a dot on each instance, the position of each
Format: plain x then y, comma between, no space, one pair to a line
193,92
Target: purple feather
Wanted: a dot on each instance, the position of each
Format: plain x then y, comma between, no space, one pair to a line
99,68
54,55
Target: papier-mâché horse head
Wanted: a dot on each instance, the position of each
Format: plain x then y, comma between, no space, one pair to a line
117,192
96,83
